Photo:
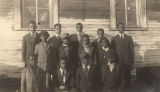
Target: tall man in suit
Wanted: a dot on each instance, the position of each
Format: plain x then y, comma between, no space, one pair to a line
76,39
29,42
123,45
33,77
55,42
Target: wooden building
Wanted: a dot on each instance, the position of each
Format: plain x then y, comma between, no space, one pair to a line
140,16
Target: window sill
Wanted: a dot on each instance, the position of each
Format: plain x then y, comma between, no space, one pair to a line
39,29
131,29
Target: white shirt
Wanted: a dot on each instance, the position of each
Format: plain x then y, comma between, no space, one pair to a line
105,49
84,67
63,74
57,35
121,35
111,66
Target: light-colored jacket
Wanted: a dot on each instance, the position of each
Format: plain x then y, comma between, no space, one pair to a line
32,81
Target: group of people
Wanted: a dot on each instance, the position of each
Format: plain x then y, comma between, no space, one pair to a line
72,63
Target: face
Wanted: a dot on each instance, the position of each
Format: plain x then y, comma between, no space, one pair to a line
32,61
44,37
62,64
121,28
85,40
79,28
85,62
100,34
105,43
65,41
57,29
32,27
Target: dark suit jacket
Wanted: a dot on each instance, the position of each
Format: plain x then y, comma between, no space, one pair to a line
98,46
28,46
111,79
124,49
31,81
71,62
86,81
58,79
55,43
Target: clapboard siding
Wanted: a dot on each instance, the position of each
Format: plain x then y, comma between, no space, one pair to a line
93,14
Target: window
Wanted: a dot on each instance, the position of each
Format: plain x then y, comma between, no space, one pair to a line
131,12
43,12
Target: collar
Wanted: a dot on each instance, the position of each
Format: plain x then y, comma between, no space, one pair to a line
57,35
105,49
65,45
121,35
80,33
33,33
62,70
88,67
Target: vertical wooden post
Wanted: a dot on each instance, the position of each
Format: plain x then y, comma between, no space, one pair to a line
113,14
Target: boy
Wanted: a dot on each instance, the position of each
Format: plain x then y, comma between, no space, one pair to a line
29,42
111,77
55,42
43,51
63,78
97,43
33,77
86,75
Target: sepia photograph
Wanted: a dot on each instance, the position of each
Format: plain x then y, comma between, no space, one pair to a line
80,46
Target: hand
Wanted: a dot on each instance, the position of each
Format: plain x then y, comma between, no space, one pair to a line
61,87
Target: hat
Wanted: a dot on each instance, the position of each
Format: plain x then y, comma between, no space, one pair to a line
43,32
65,35
84,55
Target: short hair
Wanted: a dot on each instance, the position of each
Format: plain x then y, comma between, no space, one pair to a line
100,29
58,25
79,24
32,22
87,36
62,58
121,23
43,32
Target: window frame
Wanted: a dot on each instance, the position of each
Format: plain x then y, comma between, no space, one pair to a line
140,15
53,13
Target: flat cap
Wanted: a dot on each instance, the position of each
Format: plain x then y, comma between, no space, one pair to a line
64,35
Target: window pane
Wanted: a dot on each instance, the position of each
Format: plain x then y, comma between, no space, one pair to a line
43,18
120,11
43,3
28,12
131,13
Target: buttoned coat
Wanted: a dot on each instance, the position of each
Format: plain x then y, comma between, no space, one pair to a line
32,81
28,46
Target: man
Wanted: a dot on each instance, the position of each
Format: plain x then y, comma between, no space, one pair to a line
76,39
66,51
29,42
123,45
86,75
63,78
33,77
55,42
97,43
